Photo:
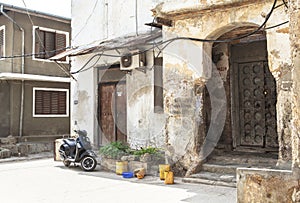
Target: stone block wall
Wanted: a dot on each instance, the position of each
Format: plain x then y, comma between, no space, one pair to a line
266,186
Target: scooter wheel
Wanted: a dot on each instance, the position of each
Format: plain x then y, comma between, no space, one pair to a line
67,163
88,163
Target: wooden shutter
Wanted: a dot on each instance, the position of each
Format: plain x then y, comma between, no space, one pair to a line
60,44
39,43
50,44
38,102
1,43
158,85
62,103
50,102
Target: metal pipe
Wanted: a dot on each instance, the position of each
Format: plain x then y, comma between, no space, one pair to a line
22,69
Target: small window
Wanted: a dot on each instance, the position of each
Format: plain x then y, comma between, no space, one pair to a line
49,43
2,41
50,102
158,85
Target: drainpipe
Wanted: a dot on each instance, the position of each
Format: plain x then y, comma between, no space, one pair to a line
22,70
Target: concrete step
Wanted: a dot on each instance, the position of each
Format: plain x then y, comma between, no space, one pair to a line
212,179
254,161
222,169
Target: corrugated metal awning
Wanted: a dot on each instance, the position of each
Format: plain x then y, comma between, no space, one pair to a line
130,42
31,77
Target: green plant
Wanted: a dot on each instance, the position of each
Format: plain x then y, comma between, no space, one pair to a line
149,150
114,150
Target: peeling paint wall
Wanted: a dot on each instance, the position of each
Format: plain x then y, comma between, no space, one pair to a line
144,126
92,22
294,6
194,19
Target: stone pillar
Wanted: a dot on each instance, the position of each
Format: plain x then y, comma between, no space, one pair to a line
294,6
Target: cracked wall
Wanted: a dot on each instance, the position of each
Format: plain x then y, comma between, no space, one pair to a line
203,24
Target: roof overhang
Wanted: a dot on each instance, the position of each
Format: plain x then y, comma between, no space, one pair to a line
31,77
128,42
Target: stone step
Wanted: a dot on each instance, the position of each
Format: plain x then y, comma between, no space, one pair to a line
212,179
250,160
222,169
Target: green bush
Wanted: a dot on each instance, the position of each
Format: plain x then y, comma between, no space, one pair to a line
142,151
114,150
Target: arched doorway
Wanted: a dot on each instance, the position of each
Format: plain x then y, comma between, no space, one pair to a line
251,92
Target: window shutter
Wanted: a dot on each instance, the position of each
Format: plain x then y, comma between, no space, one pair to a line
39,43
50,102
54,102
50,44
62,103
38,102
158,85
60,44
1,43
46,102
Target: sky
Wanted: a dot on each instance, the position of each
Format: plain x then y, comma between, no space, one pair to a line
56,7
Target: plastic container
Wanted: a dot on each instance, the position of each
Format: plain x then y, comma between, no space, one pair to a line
169,177
127,174
162,169
121,166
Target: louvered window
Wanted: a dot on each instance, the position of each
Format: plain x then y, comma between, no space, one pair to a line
48,43
50,102
158,85
2,37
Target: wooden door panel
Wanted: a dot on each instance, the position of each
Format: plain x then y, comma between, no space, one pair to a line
113,111
106,112
252,104
257,103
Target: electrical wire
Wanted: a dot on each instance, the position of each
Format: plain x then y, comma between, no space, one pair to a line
82,69
169,41
86,22
33,54
274,26
285,4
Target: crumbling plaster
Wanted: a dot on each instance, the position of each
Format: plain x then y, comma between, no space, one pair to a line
203,23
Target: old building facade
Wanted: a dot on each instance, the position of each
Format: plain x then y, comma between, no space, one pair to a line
226,77
34,91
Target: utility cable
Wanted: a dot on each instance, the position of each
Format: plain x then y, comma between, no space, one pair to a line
86,22
82,69
169,41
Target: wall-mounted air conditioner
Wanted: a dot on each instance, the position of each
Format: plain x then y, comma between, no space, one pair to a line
129,62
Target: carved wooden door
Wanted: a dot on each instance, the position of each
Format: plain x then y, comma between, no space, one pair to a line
257,105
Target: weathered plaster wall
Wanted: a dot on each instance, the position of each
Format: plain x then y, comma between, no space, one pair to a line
294,6
196,21
92,22
144,126
265,185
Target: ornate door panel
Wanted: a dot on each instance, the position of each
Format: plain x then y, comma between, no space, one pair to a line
257,105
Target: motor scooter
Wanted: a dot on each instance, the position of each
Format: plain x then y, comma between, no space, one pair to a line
78,150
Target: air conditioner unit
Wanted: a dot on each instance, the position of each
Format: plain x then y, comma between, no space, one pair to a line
130,62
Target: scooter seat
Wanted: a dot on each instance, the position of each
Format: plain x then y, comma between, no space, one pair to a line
70,142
